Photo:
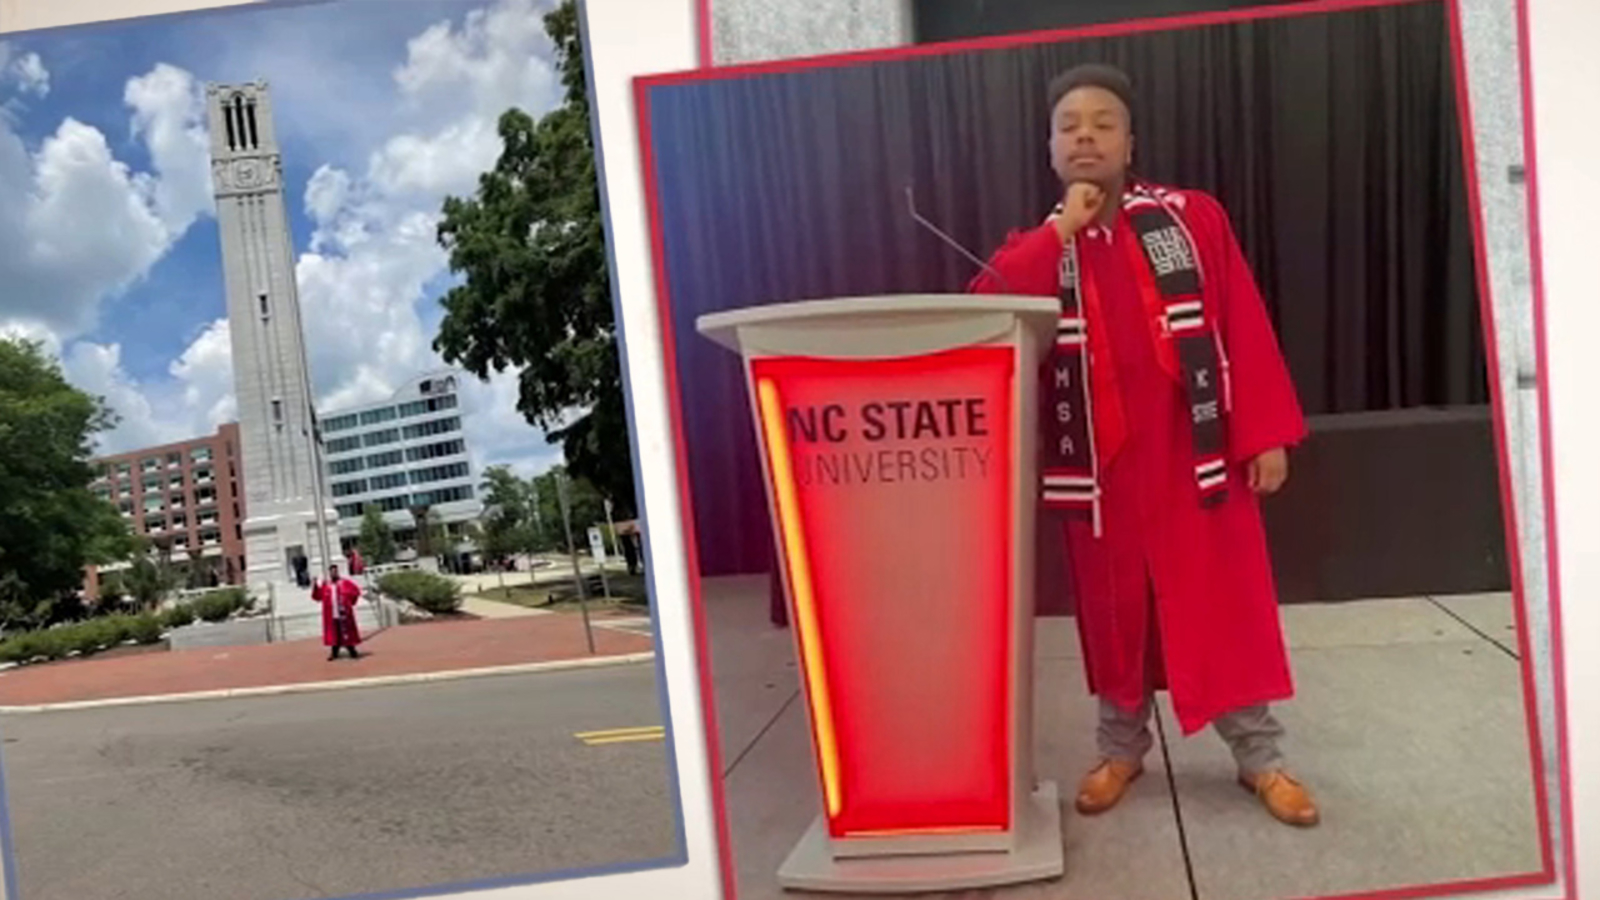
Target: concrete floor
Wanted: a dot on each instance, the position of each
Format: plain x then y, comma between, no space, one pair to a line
1408,726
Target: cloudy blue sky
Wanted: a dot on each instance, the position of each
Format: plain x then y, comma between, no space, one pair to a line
108,246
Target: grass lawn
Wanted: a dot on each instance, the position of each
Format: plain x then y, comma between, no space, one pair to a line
628,594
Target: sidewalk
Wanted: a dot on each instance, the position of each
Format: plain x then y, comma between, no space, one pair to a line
408,650
483,608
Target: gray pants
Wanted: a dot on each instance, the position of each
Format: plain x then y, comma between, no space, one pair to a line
1252,733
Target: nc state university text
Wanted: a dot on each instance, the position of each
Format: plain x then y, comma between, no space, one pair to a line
948,439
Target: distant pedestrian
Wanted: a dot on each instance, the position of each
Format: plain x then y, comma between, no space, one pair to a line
358,565
338,597
630,552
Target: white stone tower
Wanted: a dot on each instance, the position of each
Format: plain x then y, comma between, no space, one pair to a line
282,475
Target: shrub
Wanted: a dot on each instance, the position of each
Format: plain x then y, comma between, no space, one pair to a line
145,629
178,616
214,607
107,631
22,647
234,597
50,643
425,590
86,637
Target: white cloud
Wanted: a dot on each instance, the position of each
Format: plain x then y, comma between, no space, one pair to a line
499,435
372,264
498,57
374,255
97,368
19,329
23,71
31,75
168,115
205,374
194,399
77,225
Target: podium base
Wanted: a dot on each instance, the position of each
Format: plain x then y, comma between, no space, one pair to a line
811,866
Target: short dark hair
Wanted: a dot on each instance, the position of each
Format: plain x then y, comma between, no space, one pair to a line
1098,75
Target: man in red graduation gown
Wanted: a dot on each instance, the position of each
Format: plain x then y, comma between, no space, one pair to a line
338,597
1167,409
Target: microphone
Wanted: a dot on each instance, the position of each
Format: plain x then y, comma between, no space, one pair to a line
911,205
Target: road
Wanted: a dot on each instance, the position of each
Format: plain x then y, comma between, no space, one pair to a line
333,794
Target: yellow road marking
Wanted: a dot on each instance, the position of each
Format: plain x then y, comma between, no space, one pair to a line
610,732
628,738
622,735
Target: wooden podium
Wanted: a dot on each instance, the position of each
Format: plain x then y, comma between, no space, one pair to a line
898,440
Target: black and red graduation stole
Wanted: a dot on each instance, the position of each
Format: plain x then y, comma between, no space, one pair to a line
1070,466
1068,469
1175,264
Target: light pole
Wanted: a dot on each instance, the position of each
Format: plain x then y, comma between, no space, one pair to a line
616,548
313,436
537,539
314,447
572,549
313,440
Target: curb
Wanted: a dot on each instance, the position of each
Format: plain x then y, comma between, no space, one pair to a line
344,684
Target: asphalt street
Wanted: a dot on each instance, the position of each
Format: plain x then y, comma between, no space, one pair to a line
340,793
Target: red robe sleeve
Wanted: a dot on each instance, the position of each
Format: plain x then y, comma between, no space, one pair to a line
1027,262
1265,413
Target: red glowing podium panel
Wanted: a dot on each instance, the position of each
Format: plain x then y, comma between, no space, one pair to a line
892,488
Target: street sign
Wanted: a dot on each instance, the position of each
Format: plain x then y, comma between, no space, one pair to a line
597,546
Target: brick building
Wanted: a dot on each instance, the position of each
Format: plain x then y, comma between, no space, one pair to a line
184,498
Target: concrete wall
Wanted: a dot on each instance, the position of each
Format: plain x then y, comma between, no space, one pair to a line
753,30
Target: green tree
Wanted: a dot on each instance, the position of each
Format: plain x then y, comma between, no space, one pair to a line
509,519
112,588
51,524
588,508
536,293
376,541
430,539
150,579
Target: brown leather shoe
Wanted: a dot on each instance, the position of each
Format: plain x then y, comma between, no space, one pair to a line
1105,786
1287,799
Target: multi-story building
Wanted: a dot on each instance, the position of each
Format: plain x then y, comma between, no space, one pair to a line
184,498
407,452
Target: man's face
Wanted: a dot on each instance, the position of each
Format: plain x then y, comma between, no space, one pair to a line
1089,137
333,573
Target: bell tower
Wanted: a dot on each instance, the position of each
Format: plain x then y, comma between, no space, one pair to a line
283,485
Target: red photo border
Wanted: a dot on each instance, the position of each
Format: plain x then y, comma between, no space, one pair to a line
709,70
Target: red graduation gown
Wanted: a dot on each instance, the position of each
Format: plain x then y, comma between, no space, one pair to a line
348,593
1215,641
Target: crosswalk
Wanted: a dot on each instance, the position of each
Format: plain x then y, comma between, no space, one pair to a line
632,625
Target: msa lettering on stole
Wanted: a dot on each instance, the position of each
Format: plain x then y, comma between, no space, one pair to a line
890,441
1063,380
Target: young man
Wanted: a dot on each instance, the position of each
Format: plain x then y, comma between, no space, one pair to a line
1168,408
338,597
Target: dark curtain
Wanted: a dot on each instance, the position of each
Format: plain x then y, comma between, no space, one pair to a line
1332,139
